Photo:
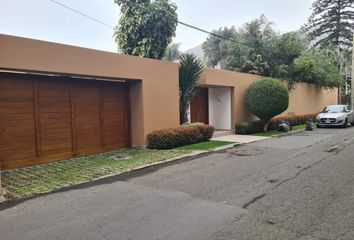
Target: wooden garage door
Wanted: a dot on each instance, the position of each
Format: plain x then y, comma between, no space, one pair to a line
53,118
17,124
200,106
49,118
86,117
115,120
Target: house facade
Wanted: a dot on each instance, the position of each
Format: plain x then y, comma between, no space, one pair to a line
59,101
221,99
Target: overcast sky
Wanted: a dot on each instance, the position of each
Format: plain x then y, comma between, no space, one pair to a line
42,19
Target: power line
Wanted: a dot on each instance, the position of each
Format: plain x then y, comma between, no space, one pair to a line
82,14
180,22
210,33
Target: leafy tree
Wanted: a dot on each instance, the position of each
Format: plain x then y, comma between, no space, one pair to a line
281,52
172,52
255,66
317,66
216,49
145,27
260,49
256,34
248,54
238,55
331,21
266,99
190,69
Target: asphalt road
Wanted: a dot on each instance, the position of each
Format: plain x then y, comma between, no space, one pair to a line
294,187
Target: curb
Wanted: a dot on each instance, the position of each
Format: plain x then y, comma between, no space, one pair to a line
192,154
287,133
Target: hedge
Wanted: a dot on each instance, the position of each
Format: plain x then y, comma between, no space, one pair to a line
180,136
256,126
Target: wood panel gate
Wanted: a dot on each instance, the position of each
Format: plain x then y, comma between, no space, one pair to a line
46,118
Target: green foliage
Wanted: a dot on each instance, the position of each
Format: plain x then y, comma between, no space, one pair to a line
190,69
259,49
267,98
256,66
205,145
246,128
331,21
320,67
281,52
247,54
180,136
217,49
172,52
346,98
257,34
145,27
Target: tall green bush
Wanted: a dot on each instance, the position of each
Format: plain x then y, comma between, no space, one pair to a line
266,99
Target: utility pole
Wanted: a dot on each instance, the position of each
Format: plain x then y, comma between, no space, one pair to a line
352,88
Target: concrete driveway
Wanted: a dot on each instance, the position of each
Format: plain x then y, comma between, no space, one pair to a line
292,187
239,138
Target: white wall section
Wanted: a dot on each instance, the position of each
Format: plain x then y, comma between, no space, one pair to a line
220,108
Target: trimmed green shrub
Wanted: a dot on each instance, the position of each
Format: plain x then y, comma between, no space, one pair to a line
257,126
267,98
180,136
245,128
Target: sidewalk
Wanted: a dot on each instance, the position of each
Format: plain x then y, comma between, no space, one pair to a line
239,138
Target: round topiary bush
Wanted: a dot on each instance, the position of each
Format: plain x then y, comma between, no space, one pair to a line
267,98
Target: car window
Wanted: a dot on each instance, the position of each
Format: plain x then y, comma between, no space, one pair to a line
334,109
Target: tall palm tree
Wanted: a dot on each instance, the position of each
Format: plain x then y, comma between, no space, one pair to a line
191,67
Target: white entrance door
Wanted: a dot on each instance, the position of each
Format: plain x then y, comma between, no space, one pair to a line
220,108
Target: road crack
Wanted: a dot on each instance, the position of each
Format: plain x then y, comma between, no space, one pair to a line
255,199
298,173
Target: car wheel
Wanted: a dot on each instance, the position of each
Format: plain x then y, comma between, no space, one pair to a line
318,126
345,125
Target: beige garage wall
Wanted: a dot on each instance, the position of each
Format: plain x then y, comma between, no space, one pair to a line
154,84
304,99
307,98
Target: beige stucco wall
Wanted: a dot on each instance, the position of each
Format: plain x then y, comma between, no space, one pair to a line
154,84
307,98
304,99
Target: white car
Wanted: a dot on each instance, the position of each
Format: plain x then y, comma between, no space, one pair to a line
335,115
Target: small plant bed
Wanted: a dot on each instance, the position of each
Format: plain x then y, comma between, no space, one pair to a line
205,145
30,181
276,132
